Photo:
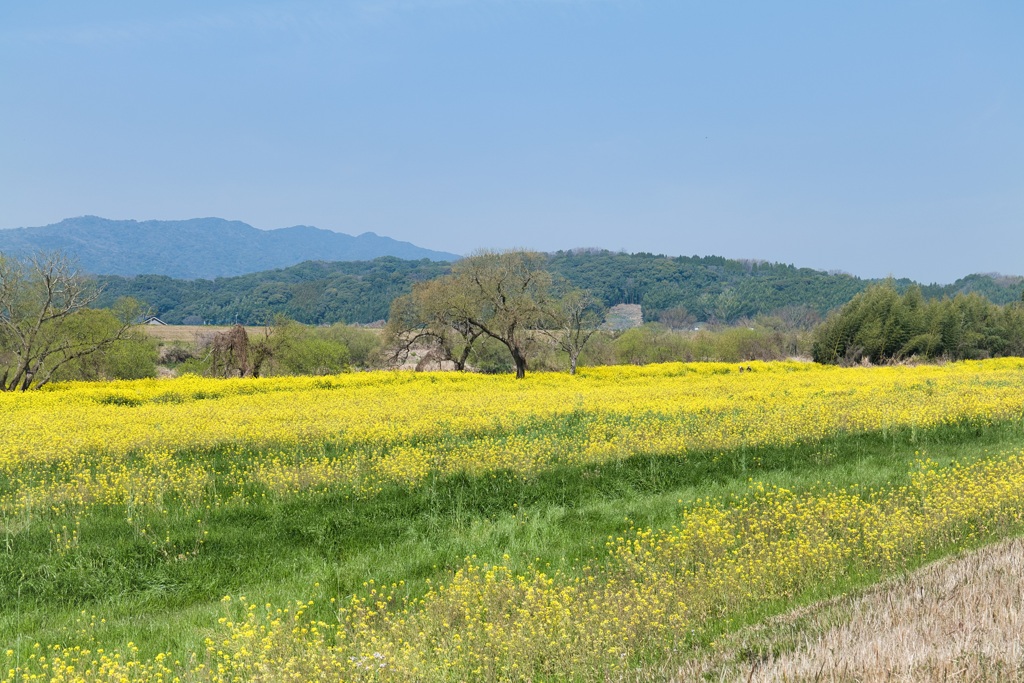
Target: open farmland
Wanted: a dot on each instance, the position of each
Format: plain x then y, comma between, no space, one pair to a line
399,526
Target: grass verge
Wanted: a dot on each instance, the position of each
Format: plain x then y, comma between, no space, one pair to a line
156,576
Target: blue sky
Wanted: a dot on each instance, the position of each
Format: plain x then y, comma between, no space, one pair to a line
873,137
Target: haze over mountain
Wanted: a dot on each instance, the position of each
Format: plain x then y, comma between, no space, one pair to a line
200,247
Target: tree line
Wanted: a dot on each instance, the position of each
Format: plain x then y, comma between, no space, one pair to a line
512,299
49,331
673,290
494,311
882,325
314,293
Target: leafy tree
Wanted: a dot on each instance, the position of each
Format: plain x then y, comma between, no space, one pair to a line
363,345
133,356
45,323
600,350
1011,329
727,306
876,324
301,350
650,343
429,316
506,295
884,326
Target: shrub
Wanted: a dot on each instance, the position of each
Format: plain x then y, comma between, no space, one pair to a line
300,350
363,345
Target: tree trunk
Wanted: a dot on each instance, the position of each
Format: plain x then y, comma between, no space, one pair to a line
520,360
573,357
460,362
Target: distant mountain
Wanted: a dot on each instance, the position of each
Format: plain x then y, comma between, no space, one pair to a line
200,247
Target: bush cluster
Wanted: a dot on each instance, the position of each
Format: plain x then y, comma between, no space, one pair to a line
286,348
764,339
880,325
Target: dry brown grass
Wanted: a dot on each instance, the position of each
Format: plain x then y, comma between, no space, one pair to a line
189,333
956,620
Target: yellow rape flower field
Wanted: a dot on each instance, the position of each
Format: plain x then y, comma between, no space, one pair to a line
445,526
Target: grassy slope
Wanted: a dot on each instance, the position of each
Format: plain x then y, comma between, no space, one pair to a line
325,545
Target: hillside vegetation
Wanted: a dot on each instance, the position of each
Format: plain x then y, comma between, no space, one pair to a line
676,290
314,292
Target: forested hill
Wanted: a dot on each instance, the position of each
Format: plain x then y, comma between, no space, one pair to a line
313,292
708,288
199,247
704,288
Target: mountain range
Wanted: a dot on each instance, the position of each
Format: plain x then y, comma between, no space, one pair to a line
200,247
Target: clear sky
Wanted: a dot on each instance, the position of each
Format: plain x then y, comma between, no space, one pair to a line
871,137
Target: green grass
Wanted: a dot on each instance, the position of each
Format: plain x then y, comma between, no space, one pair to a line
322,545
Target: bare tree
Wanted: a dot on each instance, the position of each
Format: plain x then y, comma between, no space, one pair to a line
261,351
42,300
677,318
576,317
230,353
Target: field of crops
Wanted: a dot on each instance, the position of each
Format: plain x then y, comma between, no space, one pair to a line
399,526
